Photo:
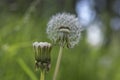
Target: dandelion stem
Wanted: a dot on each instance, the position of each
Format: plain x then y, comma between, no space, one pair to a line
42,75
58,63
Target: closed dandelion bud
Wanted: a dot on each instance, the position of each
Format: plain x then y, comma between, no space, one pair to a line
42,55
64,29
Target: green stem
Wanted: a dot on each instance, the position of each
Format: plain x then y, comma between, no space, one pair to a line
42,77
58,63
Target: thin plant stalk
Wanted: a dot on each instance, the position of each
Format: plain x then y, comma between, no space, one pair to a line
58,63
42,75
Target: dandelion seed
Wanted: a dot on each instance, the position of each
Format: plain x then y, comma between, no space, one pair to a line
64,29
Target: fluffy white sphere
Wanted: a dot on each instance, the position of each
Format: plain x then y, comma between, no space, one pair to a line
64,29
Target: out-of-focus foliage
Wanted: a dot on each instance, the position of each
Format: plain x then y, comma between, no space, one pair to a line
24,21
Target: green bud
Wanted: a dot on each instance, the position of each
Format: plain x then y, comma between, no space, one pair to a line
42,55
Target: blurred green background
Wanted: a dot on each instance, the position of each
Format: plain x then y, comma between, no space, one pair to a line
23,22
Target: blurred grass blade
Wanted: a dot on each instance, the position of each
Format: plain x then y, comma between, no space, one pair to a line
26,69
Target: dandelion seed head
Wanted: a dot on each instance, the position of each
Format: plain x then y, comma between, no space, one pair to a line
64,28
